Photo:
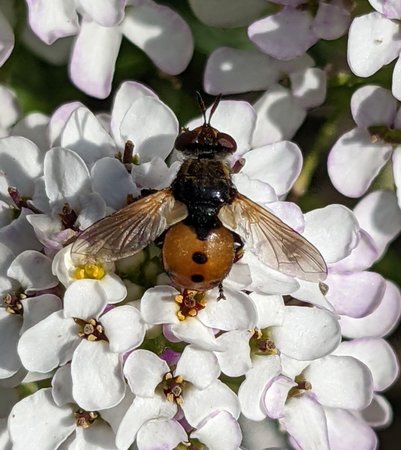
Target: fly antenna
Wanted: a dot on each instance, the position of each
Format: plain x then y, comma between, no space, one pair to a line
214,107
202,106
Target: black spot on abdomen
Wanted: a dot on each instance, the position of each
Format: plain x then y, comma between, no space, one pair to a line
197,278
199,258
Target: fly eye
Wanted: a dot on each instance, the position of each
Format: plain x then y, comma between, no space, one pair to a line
185,139
227,142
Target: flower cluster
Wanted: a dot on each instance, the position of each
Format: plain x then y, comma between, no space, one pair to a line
128,358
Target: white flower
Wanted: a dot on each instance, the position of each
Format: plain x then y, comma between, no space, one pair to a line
193,317
193,386
93,342
156,29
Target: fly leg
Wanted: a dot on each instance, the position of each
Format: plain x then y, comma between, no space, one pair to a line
221,293
238,248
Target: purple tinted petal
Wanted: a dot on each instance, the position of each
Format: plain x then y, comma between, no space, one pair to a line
284,35
93,58
355,160
355,294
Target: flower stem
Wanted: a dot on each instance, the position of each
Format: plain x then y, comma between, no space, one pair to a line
312,159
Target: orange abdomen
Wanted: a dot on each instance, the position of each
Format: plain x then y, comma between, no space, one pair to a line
197,264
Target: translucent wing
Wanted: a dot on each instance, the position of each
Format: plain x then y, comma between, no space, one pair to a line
130,229
275,243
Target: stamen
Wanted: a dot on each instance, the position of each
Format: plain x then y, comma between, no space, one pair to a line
91,330
89,270
84,418
190,303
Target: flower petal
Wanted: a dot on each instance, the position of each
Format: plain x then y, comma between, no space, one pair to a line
276,396
154,137
270,309
378,214
305,421
99,436
373,41
277,164
38,308
85,135
272,35
144,370
21,163
97,376
355,294
10,110
33,271
141,411
279,115
363,256
199,404
380,322
112,181
84,299
309,86
46,430
66,177
378,355
379,413
354,162
373,105
124,328
235,359
233,313
161,33
257,380
193,331
160,434
232,71
48,344
128,92
199,367
219,431
158,305
227,13
6,39
307,333
348,431
334,230
52,19
62,386
110,14
93,58
58,120
340,382
9,334
331,20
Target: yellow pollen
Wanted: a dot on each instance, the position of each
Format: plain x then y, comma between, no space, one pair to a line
192,312
170,397
179,298
92,271
168,376
179,400
180,316
91,337
179,379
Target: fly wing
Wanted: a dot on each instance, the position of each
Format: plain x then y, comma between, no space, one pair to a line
130,229
275,243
